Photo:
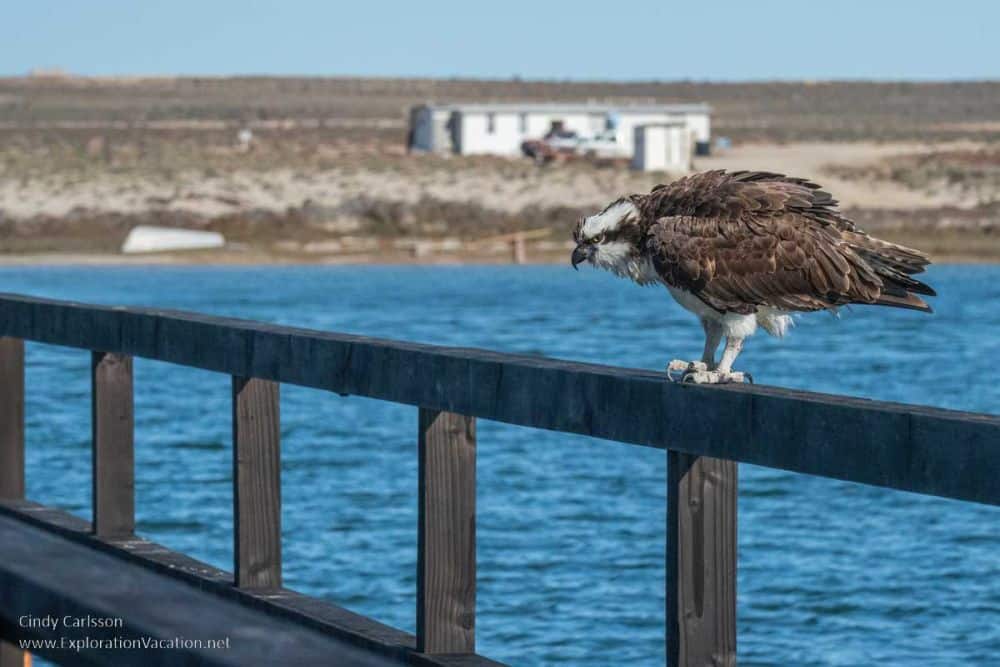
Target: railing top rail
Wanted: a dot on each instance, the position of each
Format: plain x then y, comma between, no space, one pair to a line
912,448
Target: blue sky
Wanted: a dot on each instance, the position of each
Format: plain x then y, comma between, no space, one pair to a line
665,39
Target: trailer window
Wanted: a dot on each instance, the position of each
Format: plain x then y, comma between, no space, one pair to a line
491,123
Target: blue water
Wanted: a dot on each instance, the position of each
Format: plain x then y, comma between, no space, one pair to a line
571,529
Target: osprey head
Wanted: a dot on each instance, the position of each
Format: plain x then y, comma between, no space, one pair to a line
610,239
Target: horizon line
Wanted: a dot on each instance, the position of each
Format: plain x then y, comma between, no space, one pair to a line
56,73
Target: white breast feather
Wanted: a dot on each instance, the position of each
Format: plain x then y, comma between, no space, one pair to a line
618,258
733,324
773,321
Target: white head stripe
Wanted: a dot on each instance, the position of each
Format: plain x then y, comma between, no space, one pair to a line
607,219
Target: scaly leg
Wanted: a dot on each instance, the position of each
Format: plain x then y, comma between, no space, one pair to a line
723,373
713,334
678,369
733,348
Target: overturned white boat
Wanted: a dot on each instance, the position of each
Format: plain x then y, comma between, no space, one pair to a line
148,238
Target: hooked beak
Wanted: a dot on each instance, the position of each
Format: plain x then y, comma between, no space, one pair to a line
580,254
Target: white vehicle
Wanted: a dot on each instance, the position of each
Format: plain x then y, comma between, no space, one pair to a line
603,145
557,146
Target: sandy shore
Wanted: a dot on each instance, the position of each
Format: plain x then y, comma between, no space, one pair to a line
494,183
373,203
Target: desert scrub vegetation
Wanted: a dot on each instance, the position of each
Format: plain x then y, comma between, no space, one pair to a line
973,172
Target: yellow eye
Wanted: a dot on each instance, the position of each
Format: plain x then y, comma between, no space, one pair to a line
598,239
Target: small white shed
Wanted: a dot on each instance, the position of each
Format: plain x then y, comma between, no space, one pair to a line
431,129
662,147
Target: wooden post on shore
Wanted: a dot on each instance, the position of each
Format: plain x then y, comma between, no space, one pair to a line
701,561
519,249
518,242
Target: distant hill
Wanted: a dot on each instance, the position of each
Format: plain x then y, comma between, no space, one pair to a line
767,111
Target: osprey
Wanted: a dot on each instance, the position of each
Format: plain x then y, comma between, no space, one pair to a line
745,249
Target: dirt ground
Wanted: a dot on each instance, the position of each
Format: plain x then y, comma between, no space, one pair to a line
500,184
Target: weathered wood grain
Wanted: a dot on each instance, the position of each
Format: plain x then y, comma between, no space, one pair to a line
11,418
256,483
701,561
910,448
113,449
446,557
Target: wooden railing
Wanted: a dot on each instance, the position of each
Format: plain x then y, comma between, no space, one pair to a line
705,430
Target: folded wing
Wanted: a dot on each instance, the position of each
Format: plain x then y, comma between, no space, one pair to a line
749,239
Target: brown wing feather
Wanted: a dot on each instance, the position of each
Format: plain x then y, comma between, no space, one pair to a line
749,239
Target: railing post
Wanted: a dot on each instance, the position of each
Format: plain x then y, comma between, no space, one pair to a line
701,561
12,656
256,483
11,418
113,434
446,557
12,450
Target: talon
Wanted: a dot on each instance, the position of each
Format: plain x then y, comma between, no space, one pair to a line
678,369
732,377
699,376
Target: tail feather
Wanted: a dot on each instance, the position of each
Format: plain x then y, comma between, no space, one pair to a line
895,265
894,278
905,300
902,259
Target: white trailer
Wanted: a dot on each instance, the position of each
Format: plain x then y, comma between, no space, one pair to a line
501,128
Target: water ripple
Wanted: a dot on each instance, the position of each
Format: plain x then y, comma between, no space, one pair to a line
571,530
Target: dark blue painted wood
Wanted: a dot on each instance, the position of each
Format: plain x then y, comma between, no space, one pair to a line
912,448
